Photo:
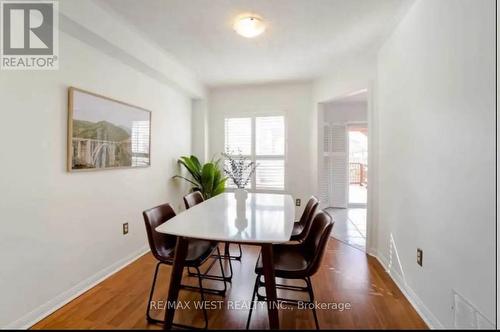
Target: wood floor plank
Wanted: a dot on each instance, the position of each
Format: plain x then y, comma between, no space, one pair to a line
347,275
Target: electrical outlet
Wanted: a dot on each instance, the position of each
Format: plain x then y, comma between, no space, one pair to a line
297,202
420,256
125,228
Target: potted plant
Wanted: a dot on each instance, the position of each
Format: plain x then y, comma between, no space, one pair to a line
207,178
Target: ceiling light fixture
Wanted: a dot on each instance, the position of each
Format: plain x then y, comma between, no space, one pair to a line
249,26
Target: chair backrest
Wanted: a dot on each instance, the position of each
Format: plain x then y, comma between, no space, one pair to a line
193,199
307,217
316,241
309,211
159,243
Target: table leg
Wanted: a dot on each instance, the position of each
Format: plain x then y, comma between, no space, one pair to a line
270,282
175,280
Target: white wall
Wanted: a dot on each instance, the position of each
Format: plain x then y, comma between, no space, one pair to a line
349,76
435,113
61,232
343,112
498,162
294,100
199,129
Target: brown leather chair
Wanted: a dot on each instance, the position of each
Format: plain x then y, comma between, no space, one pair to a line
297,261
301,227
163,249
196,198
193,199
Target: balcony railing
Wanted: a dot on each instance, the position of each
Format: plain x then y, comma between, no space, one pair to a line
358,174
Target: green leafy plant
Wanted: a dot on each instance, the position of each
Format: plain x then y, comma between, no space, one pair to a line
207,178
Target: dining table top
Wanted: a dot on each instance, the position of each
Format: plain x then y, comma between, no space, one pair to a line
260,218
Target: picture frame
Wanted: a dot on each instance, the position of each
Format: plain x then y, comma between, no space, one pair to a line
105,133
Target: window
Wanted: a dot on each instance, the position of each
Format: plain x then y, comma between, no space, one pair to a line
262,140
238,133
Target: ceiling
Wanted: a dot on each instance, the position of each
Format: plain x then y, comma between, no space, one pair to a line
303,38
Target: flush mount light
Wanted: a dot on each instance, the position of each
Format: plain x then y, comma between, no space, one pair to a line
249,26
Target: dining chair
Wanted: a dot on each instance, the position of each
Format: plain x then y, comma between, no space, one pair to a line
195,198
192,199
301,227
163,249
297,262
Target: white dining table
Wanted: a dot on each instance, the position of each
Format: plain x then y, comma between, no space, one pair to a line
260,219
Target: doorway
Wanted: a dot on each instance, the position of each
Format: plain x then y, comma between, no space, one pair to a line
358,165
343,166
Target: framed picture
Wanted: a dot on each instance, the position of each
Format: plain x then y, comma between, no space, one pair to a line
104,133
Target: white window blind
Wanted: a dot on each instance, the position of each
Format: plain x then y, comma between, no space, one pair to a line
238,136
270,139
270,174
262,140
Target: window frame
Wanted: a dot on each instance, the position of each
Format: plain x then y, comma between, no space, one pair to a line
253,148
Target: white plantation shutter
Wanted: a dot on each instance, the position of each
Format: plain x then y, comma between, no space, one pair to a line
339,165
334,170
338,181
238,136
327,137
324,186
270,174
270,136
262,139
338,138
270,152
325,169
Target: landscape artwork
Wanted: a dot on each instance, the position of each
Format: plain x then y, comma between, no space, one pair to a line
104,133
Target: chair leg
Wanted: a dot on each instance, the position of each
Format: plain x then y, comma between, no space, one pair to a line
218,257
222,270
255,288
227,278
241,251
148,316
227,252
205,274
311,296
220,292
202,295
153,320
228,257
308,289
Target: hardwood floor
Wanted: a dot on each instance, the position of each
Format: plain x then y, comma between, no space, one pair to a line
346,276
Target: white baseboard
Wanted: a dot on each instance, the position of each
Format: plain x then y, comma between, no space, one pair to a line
424,312
49,307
